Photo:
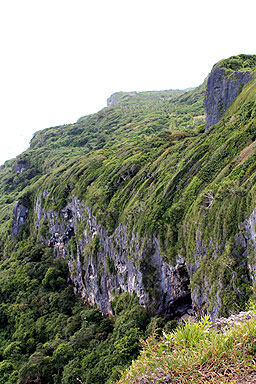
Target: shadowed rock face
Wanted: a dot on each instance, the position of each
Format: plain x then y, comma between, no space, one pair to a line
222,89
20,214
112,100
21,166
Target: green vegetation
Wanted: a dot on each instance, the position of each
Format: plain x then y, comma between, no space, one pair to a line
238,63
195,353
49,336
146,163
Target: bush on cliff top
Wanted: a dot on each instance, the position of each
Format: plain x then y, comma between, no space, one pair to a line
238,63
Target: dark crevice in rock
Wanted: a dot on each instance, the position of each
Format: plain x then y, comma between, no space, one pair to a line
182,302
180,307
21,166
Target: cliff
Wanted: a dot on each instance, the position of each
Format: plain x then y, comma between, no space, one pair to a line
141,209
225,82
103,265
139,218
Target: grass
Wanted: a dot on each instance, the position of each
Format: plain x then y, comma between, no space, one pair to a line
197,353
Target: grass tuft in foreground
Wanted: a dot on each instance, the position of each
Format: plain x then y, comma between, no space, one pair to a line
198,353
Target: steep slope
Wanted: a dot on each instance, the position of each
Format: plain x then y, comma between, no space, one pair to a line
46,335
140,198
226,81
117,143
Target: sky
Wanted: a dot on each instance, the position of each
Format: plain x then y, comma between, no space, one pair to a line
62,59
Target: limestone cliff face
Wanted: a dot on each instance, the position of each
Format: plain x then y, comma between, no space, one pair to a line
102,266
247,240
222,88
20,214
243,257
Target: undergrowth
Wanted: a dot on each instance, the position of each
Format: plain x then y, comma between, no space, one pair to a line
197,353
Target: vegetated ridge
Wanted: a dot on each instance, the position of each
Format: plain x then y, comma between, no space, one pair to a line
143,202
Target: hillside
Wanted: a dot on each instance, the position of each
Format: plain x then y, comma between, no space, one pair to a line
145,210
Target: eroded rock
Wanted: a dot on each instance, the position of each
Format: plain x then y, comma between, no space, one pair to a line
102,266
222,89
20,214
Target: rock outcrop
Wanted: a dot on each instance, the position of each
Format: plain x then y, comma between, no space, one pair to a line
112,100
239,319
222,89
246,239
102,266
20,214
21,166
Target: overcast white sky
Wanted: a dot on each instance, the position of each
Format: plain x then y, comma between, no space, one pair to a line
61,59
